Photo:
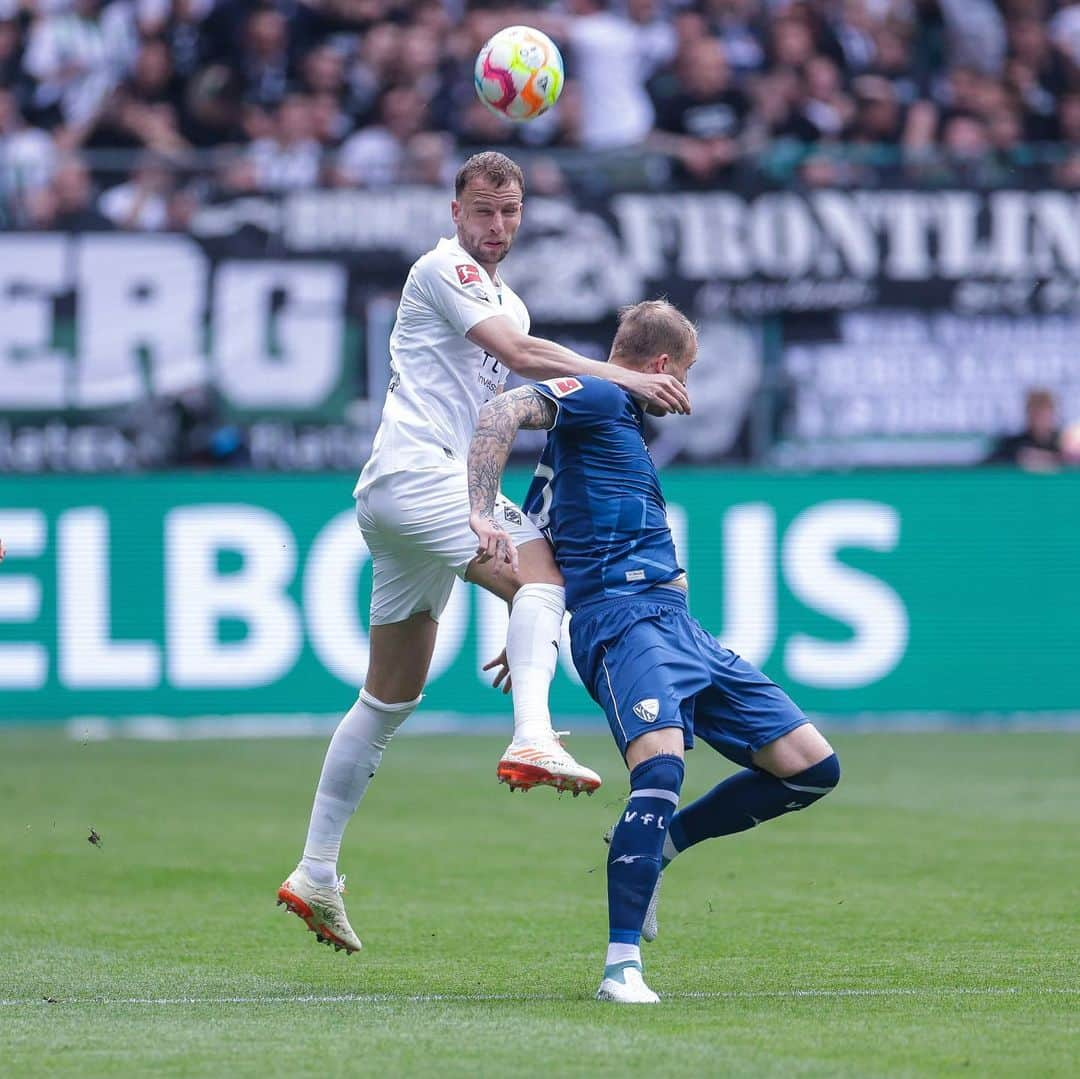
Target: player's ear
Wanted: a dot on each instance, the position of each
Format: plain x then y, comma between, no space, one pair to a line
455,210
660,364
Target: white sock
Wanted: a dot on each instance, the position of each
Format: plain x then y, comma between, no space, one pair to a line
532,650
623,953
351,761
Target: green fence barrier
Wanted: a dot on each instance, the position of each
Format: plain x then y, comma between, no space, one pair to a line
225,594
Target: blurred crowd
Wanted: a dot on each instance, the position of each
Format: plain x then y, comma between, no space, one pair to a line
131,113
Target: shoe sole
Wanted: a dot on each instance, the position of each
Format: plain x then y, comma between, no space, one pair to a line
323,933
524,777
610,998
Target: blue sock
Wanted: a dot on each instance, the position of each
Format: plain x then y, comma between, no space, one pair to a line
636,845
747,798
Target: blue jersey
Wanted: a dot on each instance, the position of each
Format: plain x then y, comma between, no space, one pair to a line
597,496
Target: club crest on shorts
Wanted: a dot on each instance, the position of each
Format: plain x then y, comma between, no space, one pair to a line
467,273
647,710
510,514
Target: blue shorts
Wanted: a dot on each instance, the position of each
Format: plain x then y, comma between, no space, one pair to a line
649,665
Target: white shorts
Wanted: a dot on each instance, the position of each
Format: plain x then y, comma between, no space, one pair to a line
416,526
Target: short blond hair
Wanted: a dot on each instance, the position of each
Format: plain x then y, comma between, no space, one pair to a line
492,166
652,327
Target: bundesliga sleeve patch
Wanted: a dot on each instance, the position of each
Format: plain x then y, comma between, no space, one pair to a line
562,387
468,273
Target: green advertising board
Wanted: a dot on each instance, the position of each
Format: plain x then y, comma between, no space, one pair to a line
865,595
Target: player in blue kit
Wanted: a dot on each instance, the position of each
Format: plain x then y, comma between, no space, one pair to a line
661,679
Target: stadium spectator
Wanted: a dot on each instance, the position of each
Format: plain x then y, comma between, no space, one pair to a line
777,114
76,57
372,68
27,158
827,106
68,203
261,65
145,109
142,202
608,54
949,90
1065,32
853,28
1068,120
894,60
12,75
657,41
792,43
429,159
975,32
373,156
701,118
323,71
738,25
288,156
1037,448
878,116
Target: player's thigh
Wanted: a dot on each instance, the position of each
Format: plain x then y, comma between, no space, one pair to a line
632,667
742,710
400,657
409,591
427,514
536,565
793,752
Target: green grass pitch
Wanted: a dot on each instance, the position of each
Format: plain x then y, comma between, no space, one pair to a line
923,920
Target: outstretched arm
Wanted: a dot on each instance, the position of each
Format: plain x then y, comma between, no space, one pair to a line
500,420
538,358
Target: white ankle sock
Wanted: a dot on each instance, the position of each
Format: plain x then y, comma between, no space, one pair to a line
351,761
623,953
670,850
532,650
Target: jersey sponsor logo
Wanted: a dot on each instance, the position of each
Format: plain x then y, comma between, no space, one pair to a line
647,710
467,273
562,387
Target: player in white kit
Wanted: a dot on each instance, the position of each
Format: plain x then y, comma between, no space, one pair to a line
459,328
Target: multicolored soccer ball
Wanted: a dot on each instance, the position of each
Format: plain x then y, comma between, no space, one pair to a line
519,73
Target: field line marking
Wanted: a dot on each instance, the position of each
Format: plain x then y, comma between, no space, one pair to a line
524,998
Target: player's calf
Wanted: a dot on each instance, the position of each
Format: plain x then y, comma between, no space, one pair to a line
633,864
747,799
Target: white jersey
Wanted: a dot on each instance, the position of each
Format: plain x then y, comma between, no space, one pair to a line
439,378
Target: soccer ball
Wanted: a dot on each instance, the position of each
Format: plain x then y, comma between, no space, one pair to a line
519,73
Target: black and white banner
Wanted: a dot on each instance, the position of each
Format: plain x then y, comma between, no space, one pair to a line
283,310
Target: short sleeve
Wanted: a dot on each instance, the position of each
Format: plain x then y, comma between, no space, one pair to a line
460,292
583,402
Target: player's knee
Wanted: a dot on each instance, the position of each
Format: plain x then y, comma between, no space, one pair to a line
828,772
663,772
813,783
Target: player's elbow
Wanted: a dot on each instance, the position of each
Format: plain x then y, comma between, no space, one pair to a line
487,414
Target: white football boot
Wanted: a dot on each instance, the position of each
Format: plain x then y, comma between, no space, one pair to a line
623,984
545,763
321,907
650,928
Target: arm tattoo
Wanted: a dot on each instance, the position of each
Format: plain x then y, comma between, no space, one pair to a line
500,420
